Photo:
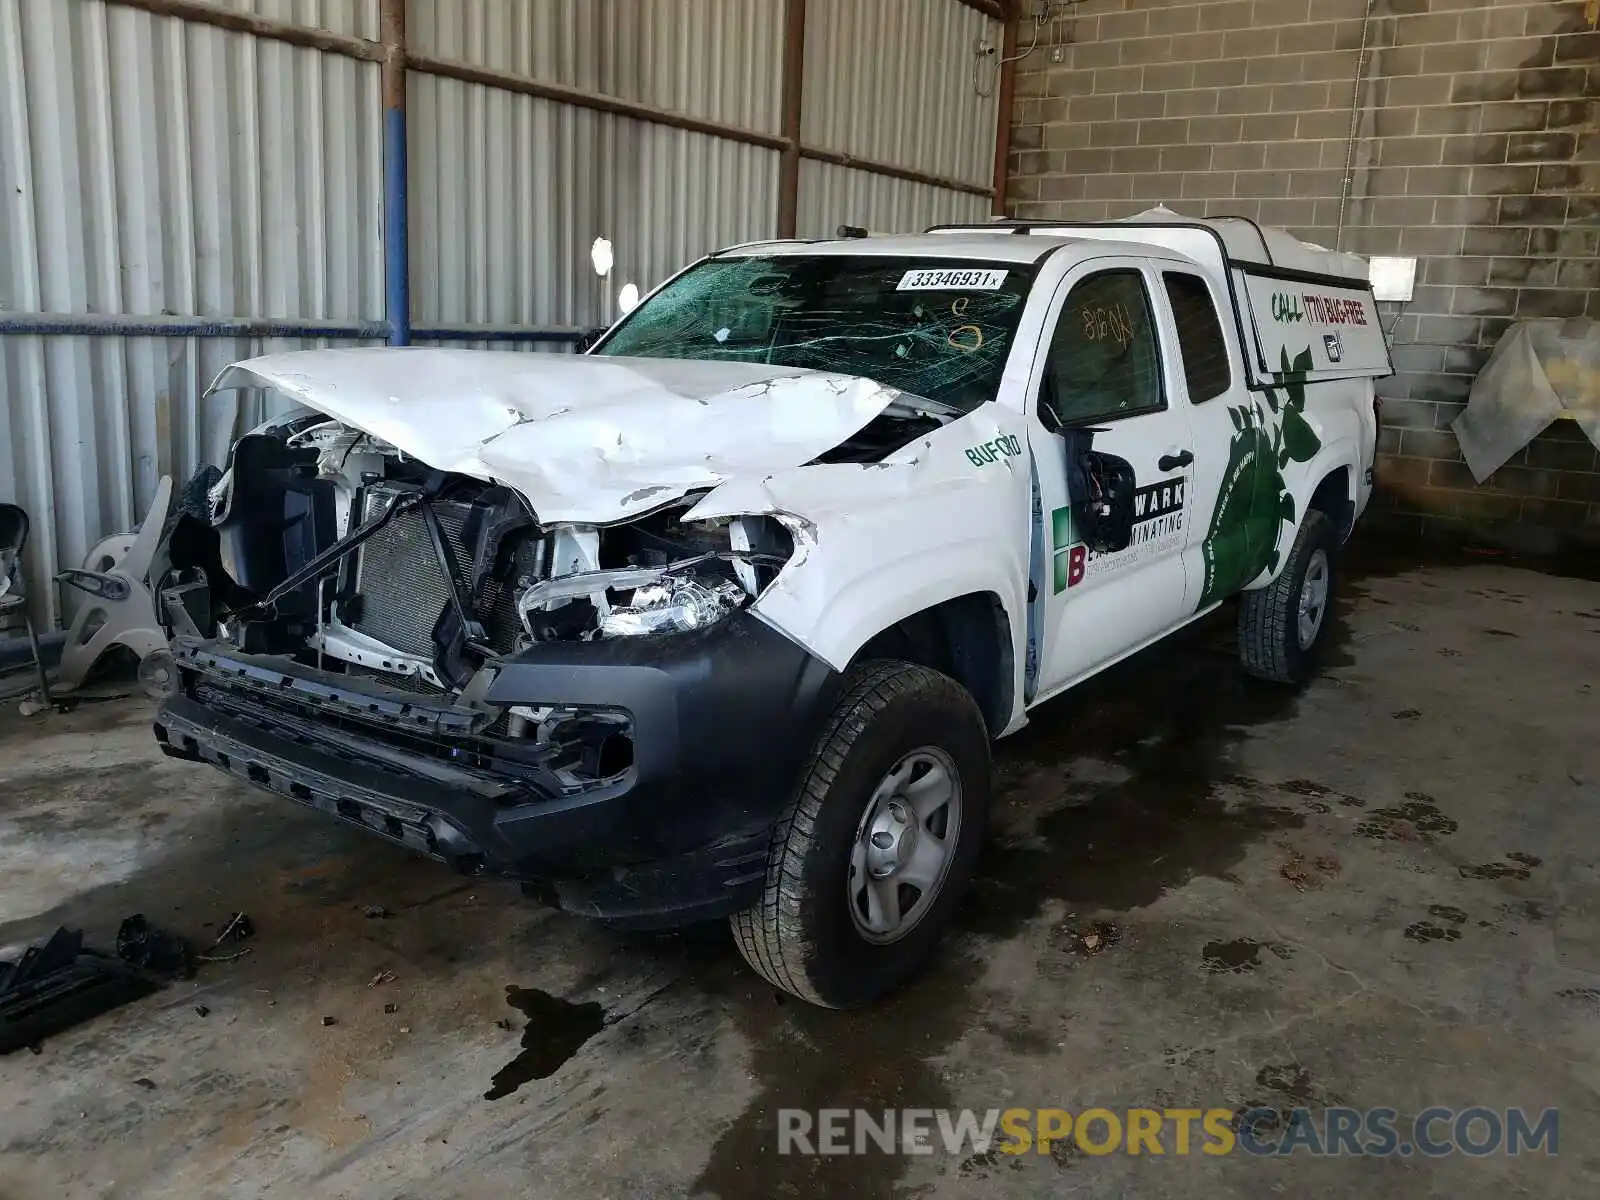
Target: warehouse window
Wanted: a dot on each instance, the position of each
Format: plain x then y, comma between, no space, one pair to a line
1205,354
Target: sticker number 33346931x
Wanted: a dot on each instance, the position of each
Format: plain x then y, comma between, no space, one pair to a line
952,280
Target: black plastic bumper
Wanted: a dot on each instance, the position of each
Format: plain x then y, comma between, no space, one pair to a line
720,720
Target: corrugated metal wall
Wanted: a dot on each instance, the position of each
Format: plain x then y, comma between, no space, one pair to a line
358,18
719,60
152,166
510,191
157,168
910,63
831,196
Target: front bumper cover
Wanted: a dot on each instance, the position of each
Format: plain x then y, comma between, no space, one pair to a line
721,720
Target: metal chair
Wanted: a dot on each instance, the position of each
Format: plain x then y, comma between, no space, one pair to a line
13,537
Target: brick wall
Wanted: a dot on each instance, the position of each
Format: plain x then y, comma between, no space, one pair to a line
1476,149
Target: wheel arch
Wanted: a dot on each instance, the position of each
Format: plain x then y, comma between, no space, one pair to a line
1327,484
1334,496
967,637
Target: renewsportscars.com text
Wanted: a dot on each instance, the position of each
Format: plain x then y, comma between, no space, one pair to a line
1376,1132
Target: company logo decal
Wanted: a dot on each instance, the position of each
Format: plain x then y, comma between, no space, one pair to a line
1158,510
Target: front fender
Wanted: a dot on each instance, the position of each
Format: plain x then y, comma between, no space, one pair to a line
835,611
875,544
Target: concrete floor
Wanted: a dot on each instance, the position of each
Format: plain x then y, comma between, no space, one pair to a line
1382,891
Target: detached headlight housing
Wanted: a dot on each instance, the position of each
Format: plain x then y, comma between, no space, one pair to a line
674,605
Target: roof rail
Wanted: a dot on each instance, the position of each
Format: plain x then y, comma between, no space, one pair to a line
1022,226
762,242
1005,226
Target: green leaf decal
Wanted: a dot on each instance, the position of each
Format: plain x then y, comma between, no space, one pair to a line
1254,504
1299,439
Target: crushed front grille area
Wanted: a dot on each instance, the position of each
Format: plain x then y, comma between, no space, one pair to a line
346,737
403,588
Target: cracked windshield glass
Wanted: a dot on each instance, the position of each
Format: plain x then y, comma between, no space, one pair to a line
937,328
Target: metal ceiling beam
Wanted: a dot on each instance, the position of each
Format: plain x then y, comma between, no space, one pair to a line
267,27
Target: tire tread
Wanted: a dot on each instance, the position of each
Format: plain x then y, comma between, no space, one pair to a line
1266,614
771,935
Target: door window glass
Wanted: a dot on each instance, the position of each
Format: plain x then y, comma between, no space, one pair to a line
1205,354
1103,363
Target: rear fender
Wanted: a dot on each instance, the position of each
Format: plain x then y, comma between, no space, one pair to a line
1338,448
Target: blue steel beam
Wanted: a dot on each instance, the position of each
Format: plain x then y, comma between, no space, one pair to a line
494,333
124,325
396,195
127,325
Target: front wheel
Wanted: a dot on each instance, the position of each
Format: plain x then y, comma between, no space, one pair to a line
1283,626
879,843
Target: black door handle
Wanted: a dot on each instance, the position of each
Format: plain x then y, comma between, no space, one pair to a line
1171,462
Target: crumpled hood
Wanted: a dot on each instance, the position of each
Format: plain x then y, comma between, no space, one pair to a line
583,439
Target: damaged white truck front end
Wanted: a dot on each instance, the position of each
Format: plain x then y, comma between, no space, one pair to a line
720,618
578,621
637,496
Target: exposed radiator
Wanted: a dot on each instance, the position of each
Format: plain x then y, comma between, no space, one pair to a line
403,588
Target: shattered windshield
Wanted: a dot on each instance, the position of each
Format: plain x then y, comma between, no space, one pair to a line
937,327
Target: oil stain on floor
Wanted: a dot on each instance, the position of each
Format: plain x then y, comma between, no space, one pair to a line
555,1031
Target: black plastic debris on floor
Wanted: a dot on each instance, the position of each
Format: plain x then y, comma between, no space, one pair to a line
236,928
63,983
58,985
151,948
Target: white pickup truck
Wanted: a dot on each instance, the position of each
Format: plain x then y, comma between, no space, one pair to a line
719,618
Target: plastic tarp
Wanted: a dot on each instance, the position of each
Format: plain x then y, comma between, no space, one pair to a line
1541,371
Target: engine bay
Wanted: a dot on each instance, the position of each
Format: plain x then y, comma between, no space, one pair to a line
346,554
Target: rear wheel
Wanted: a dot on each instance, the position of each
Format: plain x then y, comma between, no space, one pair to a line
1283,626
879,843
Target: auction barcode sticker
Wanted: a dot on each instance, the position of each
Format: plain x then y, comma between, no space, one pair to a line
941,281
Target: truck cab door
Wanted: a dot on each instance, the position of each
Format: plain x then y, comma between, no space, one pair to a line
1104,388
1234,487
